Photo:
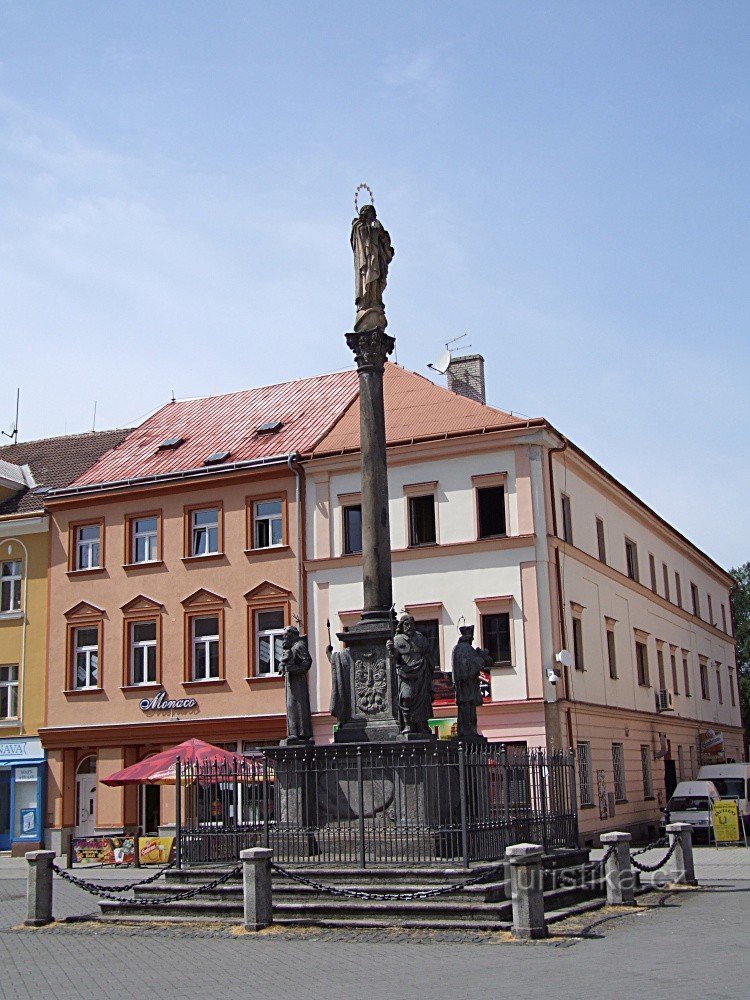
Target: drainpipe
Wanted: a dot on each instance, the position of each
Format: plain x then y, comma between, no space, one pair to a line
298,471
24,620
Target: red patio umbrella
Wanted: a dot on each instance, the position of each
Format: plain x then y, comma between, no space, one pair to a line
160,768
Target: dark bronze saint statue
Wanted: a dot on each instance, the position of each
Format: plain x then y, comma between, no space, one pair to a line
341,685
372,255
467,663
295,665
409,651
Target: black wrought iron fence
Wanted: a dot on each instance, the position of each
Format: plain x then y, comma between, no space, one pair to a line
382,804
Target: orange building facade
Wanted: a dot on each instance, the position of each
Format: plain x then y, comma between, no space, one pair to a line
174,568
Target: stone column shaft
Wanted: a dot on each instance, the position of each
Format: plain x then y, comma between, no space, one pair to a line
371,348
39,888
256,886
619,872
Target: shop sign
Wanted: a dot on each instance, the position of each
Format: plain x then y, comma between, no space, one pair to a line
726,820
26,773
20,749
712,743
155,850
160,703
103,850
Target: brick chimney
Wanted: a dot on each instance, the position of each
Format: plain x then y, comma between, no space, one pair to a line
466,377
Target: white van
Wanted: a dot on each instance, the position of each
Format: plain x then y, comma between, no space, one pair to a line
732,782
691,803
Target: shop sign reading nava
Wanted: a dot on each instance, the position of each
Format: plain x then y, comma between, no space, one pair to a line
160,703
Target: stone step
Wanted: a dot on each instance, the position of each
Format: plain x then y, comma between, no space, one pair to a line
488,892
313,911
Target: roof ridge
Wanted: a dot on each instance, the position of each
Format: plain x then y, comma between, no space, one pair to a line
257,388
67,437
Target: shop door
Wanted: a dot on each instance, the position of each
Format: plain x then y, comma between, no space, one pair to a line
5,809
150,809
85,805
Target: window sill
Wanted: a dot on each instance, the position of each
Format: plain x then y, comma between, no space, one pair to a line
266,550
649,798
212,682
151,686
9,616
91,690
621,802
484,538
209,557
424,545
143,565
8,723
504,665
86,572
587,805
273,680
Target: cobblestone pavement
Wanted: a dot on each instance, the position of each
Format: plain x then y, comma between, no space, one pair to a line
641,954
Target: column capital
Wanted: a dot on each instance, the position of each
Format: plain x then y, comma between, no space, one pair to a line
370,348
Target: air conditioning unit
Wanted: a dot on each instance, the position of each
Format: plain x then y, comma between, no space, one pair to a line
664,701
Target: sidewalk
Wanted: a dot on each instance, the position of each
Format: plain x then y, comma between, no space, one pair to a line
712,865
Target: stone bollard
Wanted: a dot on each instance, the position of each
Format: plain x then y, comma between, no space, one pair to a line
525,862
619,873
39,888
683,868
256,885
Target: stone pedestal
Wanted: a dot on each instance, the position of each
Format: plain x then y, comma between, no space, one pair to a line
296,797
527,890
39,888
374,687
683,866
619,873
256,888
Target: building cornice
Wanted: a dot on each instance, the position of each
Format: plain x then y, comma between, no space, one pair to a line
438,551
23,524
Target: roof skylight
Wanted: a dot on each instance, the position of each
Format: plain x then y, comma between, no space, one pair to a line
174,442
218,456
270,427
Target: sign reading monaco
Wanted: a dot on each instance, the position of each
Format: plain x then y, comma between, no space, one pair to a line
160,703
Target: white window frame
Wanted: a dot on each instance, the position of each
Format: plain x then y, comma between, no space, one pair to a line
205,642
7,687
139,655
89,652
10,585
271,634
585,774
196,530
268,520
88,550
151,537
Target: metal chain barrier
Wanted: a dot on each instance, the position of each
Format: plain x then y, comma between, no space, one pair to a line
96,889
661,842
658,865
82,883
403,896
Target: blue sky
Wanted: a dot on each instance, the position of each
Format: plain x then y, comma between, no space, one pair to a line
565,182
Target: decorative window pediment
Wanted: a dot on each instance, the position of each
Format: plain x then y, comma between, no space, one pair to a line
84,610
141,603
267,591
202,599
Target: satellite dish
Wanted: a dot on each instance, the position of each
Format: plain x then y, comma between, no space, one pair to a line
442,363
564,657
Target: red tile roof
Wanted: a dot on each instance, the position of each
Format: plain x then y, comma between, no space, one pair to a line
416,410
54,463
306,408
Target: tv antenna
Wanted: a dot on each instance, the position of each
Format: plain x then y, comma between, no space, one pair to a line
441,363
13,432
